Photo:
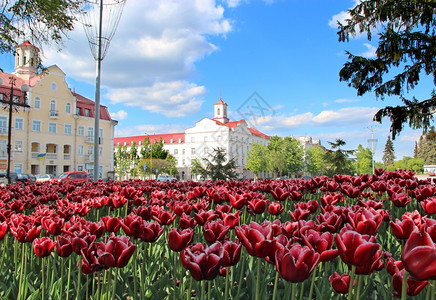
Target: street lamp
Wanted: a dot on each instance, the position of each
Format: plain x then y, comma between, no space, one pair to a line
24,89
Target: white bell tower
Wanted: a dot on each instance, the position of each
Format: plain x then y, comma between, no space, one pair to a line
26,60
220,111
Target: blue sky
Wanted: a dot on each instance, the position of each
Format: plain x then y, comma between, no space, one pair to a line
170,61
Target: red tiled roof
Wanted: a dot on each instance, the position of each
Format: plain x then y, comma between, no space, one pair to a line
220,101
234,124
166,137
258,133
85,103
27,43
5,88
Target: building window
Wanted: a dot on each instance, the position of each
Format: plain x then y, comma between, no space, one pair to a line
86,112
18,123
3,124
218,111
80,150
36,125
52,127
3,148
37,102
183,151
81,131
68,108
192,139
90,150
192,150
183,162
171,141
67,129
18,168
100,151
90,131
180,140
77,110
176,151
18,146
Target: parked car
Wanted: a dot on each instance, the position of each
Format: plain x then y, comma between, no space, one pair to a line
4,180
44,177
26,178
165,178
74,177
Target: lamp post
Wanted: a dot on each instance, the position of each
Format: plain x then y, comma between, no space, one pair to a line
24,89
373,142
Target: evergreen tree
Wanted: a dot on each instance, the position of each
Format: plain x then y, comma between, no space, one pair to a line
406,49
215,168
363,160
388,153
427,147
339,159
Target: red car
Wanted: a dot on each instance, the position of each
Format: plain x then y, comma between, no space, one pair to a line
76,177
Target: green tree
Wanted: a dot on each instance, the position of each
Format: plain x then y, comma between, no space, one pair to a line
256,159
388,153
363,160
409,163
427,147
406,51
145,150
339,159
133,156
40,21
315,161
198,169
285,156
216,168
121,160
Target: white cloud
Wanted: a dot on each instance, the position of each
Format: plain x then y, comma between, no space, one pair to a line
370,51
148,129
172,99
339,17
236,3
157,44
119,115
344,100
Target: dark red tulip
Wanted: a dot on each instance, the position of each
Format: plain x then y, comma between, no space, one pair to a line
186,221
111,224
231,219
429,205
52,224
180,207
150,231
165,217
341,283
321,243
402,229
179,239
231,253
275,208
214,231
400,199
329,221
280,194
354,248
365,221
131,225
256,238
3,229
414,287
203,216
237,201
257,206
81,241
203,264
299,214
116,252
374,263
43,246
419,256
64,247
393,266
297,263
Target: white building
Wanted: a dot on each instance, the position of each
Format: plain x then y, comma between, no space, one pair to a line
236,137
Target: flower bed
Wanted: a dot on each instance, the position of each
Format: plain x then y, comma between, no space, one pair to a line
353,237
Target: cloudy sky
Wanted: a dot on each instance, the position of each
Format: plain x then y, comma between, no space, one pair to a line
275,62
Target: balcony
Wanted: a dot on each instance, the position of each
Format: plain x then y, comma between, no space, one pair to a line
89,139
89,158
53,114
51,156
67,156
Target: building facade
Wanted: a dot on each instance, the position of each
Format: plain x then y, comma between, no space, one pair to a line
55,133
235,137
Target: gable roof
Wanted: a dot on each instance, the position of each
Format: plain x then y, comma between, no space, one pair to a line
166,137
85,103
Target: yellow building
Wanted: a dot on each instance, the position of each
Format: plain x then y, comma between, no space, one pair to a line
55,133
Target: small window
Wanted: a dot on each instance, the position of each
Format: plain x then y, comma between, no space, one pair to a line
176,151
192,150
37,102
183,151
18,146
67,129
36,125
86,112
80,150
18,124
81,130
77,110
52,127
68,108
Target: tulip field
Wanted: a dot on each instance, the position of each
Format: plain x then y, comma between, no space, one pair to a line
346,237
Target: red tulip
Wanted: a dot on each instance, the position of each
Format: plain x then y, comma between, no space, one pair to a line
297,263
214,231
81,241
400,199
429,205
402,229
237,201
131,225
257,239
414,287
204,216
111,224
257,206
329,221
178,240
299,214
341,284
64,246
231,220
280,194
321,243
116,252
275,208
186,221
43,246
354,248
419,256
3,229
203,263
365,221
150,231
165,217
231,253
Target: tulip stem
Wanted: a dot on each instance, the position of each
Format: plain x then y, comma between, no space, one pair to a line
259,261
294,291
61,290
79,275
203,288
114,286
350,289
226,289
42,280
209,287
359,286
404,285
302,290
188,294
135,271
241,275
175,275
312,283
275,285
69,276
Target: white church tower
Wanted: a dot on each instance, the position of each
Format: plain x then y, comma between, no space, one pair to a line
220,112
26,60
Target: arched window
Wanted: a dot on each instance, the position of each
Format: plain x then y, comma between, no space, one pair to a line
218,111
68,108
